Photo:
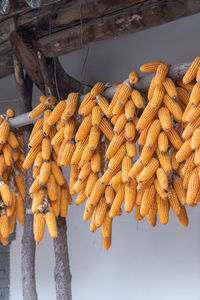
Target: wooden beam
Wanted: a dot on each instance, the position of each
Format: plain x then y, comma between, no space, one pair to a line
101,20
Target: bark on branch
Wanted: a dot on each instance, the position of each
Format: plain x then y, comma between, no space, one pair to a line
24,87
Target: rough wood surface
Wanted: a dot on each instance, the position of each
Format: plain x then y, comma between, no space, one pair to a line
62,274
24,87
76,24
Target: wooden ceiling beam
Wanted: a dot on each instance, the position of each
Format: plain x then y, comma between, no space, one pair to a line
76,24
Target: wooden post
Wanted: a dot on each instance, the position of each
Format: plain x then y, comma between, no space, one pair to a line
24,87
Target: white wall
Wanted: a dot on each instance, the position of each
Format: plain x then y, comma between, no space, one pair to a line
143,263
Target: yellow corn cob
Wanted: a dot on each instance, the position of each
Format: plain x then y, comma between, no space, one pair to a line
146,117
7,152
80,146
52,188
183,95
148,199
10,113
174,138
56,113
69,129
100,212
38,110
94,138
163,143
16,154
165,119
97,89
193,187
56,204
163,193
148,170
85,171
2,164
71,104
87,108
12,140
183,218
133,77
129,131
116,179
37,200
81,198
195,95
170,88
192,114
38,160
137,98
64,202
4,132
152,214
4,227
192,71
60,180
126,166
184,151
44,173
58,138
96,115
123,95
20,184
60,124
138,216
20,209
146,154
46,127
186,179
131,148
163,209
106,128
67,154
161,73
87,155
135,170
93,226
91,180
195,142
174,163
38,125
46,149
96,162
150,66
198,75
51,224
180,191
157,98
130,195
197,157
88,212
21,140
130,110
117,110
120,123
118,200
153,133
164,160
103,107
84,128
189,164
173,107
146,185
143,136
162,178
190,128
139,197
52,132
86,99
151,89
79,185
36,139
114,145
117,158
10,210
35,172
5,194
74,171
96,193
50,100
109,195
106,226
173,201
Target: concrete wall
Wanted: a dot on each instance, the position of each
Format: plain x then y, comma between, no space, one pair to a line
143,263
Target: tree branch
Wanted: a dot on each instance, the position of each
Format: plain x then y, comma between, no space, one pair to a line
24,87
